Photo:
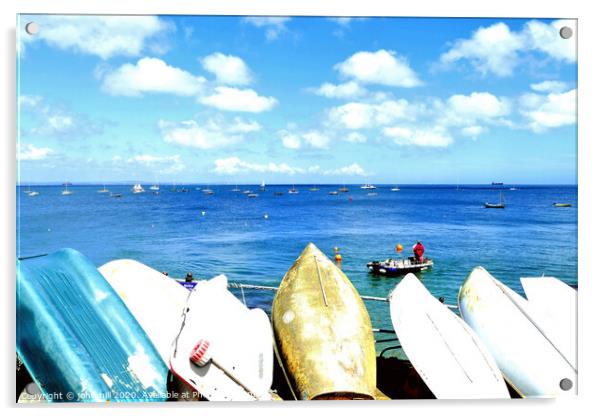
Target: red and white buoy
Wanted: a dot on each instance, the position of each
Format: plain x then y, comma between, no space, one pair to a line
201,353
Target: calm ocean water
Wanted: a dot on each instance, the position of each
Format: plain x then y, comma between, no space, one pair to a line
167,232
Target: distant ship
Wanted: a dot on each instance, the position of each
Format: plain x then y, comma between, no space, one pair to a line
137,189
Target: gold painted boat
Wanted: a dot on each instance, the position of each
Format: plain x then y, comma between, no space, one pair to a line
323,332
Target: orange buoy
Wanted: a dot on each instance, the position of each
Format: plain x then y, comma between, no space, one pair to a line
338,257
398,248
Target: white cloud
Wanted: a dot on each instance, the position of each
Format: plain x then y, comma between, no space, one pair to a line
242,126
424,137
545,38
358,115
549,111
103,36
380,67
151,75
234,99
30,152
234,165
497,49
355,137
162,164
290,140
215,133
492,49
274,26
316,140
550,86
228,69
466,109
55,121
349,89
473,131
352,170
311,139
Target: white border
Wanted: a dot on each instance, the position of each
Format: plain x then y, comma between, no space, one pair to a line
590,189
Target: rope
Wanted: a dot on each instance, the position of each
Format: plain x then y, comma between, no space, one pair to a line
236,285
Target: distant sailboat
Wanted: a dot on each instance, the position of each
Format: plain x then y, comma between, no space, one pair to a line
137,189
501,204
236,189
66,191
262,186
28,190
343,189
293,190
104,190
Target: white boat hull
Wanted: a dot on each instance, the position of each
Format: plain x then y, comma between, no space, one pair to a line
447,354
510,328
241,342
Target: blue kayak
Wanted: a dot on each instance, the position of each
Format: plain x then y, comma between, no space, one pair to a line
78,339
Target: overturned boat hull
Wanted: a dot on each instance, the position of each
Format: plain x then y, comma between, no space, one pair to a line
323,331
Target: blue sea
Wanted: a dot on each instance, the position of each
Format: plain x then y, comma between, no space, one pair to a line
256,240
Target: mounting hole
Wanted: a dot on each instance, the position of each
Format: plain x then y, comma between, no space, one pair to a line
566,384
32,28
566,32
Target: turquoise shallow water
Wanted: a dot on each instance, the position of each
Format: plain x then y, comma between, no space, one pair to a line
167,232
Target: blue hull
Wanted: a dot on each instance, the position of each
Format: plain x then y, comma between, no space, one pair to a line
78,339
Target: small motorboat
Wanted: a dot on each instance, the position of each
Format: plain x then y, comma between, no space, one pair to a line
395,189
392,267
333,193
252,195
35,193
314,189
116,195
562,205
367,186
293,190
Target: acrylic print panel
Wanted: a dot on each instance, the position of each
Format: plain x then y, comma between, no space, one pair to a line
266,208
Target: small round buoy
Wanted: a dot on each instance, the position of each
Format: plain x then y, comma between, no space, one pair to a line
203,213
266,216
338,257
398,248
201,353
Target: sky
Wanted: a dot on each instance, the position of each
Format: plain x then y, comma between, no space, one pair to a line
228,99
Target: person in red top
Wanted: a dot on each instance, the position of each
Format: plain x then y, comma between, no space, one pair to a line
418,251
